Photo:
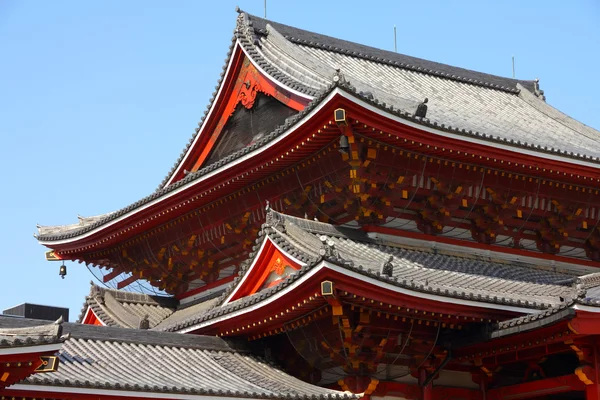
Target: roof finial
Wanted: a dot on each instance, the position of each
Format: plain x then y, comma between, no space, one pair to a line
144,322
421,111
338,77
388,267
513,62
536,89
267,206
238,10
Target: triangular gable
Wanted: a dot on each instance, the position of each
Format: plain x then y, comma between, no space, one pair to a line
90,318
271,266
240,88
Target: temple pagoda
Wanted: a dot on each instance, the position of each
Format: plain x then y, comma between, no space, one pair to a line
345,222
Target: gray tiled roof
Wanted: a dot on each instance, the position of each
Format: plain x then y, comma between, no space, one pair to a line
126,309
187,312
456,275
422,270
305,38
591,284
498,109
15,336
463,102
536,320
145,361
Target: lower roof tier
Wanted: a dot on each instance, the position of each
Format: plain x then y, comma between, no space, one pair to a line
105,361
407,269
413,269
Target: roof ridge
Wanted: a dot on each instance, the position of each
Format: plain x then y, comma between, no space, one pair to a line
342,46
132,297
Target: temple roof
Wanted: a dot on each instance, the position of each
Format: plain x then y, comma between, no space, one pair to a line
472,103
124,309
105,358
13,336
467,104
420,270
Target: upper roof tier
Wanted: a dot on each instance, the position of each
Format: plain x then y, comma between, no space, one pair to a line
496,108
465,108
499,107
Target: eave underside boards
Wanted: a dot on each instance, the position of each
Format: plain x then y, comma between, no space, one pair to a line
399,190
139,361
515,116
209,243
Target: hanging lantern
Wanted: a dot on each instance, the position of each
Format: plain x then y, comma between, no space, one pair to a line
62,272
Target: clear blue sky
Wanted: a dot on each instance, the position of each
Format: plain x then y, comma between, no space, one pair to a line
97,99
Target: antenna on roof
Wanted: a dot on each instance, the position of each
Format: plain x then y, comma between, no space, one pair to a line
513,58
265,9
395,42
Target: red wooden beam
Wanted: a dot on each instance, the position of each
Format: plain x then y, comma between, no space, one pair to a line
127,281
586,323
539,388
412,391
111,275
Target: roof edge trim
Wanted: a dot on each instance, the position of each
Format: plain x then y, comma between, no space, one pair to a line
588,308
236,46
323,264
33,349
493,142
296,125
121,393
207,116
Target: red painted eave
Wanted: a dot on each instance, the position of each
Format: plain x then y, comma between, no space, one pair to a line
305,298
385,127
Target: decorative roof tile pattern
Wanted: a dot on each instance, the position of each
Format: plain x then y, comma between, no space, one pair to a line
126,309
144,361
11,336
184,313
463,102
423,270
502,109
534,321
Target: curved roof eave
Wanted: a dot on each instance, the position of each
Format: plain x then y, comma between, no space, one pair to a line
242,41
345,90
197,177
463,134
